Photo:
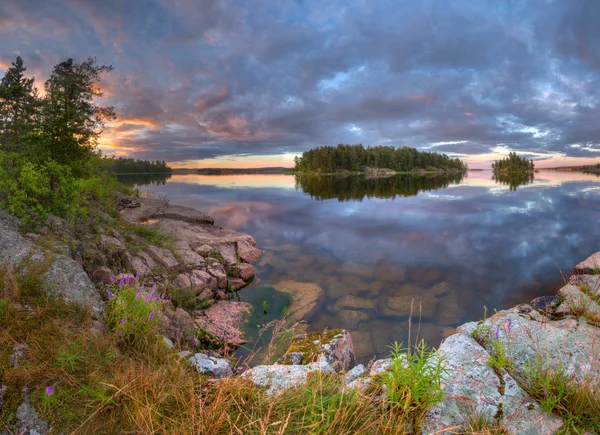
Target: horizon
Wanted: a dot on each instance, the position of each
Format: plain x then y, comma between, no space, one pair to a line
219,85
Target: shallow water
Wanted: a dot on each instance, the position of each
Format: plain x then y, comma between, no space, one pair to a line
452,246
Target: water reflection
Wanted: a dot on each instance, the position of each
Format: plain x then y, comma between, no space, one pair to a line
144,179
356,188
452,250
513,180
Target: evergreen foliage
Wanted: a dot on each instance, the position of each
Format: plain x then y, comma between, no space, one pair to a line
123,165
513,163
48,157
355,158
592,169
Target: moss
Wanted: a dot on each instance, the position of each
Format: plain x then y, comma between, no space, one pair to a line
310,344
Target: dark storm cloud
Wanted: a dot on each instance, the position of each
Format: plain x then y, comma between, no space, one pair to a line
201,79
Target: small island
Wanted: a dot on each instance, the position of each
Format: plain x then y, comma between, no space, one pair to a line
375,161
513,164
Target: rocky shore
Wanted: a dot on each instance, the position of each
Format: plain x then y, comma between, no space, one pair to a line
200,265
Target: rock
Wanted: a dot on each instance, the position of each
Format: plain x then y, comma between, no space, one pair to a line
277,378
221,296
204,250
8,221
401,306
449,309
544,342
380,366
355,373
573,300
220,275
472,387
389,273
13,247
111,245
183,283
234,284
140,262
18,354
201,279
228,252
351,318
32,236
590,265
467,328
102,274
124,201
245,271
223,319
363,344
149,208
66,278
247,250
335,347
211,366
291,358
162,256
355,269
545,303
304,297
29,421
179,327
353,302
168,342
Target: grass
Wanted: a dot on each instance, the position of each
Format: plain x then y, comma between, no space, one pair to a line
577,403
480,424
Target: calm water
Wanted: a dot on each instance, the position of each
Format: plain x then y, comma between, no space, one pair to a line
452,245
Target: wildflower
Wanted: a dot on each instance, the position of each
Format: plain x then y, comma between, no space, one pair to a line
127,278
120,333
139,293
148,297
121,283
122,322
112,278
151,316
154,287
137,276
497,333
110,294
49,390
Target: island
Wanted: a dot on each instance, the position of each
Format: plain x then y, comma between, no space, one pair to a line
375,161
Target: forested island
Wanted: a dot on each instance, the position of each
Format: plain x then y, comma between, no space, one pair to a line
359,159
513,164
123,165
591,169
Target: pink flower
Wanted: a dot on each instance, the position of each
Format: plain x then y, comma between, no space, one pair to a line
49,390
122,322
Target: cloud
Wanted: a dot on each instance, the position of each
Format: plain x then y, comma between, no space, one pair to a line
217,78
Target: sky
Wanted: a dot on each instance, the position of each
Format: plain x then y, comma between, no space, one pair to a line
251,83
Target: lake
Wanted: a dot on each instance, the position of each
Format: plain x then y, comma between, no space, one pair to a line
365,249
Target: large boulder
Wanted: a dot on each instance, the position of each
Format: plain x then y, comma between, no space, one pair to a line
13,247
67,279
472,387
142,209
590,265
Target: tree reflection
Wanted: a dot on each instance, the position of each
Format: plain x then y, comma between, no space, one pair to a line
144,179
356,188
513,179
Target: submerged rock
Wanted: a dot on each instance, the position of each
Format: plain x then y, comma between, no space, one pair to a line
304,297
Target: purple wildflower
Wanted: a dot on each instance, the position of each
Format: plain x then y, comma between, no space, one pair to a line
154,287
122,322
147,297
151,316
139,293
49,390
121,282
110,294
137,276
120,333
497,332
112,278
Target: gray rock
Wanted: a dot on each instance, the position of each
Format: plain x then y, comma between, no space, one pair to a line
467,328
168,342
472,387
380,366
70,282
211,366
9,221
29,421
355,373
335,347
277,378
19,353
293,358
13,247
